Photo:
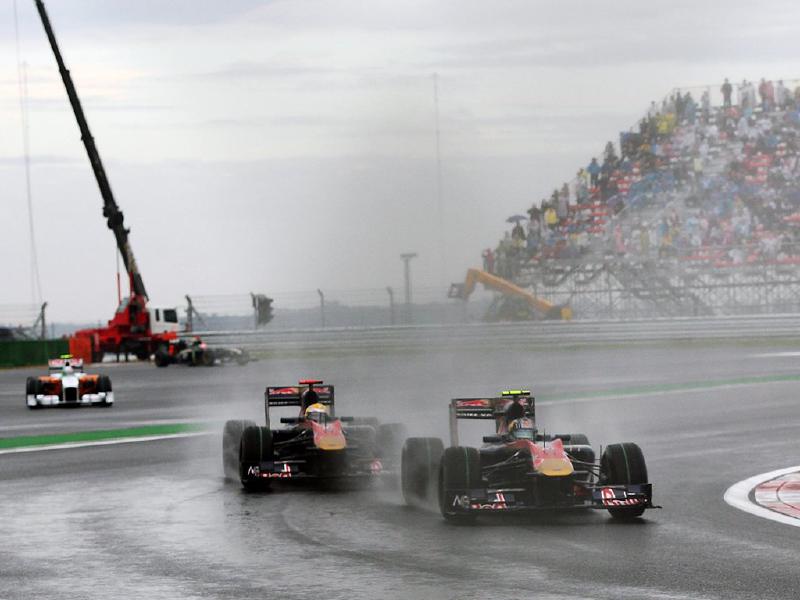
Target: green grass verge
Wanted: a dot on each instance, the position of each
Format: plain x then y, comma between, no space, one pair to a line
106,434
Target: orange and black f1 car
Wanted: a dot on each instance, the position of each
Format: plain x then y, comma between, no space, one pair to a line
519,469
315,446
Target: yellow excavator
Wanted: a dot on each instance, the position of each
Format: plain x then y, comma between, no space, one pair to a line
516,303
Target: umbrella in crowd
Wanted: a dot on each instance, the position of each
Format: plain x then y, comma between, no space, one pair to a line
516,219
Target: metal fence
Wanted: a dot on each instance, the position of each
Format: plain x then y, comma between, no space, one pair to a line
532,336
365,307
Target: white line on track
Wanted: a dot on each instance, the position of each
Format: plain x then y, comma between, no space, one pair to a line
109,442
738,496
117,424
633,395
776,355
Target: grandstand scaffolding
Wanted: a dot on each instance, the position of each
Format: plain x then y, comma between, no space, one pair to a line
629,289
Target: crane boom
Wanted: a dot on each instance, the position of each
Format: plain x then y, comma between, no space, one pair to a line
112,213
543,308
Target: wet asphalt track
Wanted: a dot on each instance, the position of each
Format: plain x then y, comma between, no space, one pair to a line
156,520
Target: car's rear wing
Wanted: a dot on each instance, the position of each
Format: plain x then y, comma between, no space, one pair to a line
292,395
488,408
56,364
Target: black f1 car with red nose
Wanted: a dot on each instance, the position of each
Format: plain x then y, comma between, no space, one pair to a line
520,469
315,446
67,385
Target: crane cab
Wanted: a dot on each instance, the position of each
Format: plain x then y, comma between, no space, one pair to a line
163,319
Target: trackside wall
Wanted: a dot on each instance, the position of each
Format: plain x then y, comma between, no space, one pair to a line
21,353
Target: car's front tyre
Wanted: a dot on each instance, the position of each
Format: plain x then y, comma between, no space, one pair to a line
255,448
231,440
459,473
623,464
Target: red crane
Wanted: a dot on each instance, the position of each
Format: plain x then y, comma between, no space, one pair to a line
135,328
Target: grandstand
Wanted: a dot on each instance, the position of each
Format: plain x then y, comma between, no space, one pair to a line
697,214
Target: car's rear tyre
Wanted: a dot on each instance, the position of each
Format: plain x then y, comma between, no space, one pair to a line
576,439
363,438
460,472
366,421
623,464
419,466
581,453
207,358
231,439
390,438
162,358
255,448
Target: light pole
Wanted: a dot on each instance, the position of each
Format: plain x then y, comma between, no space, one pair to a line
406,258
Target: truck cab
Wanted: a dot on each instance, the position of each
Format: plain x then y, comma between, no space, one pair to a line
163,319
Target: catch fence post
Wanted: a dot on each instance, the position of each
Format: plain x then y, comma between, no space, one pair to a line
322,306
390,291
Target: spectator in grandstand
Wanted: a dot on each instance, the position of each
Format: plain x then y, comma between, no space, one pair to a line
743,128
504,256
488,260
751,96
533,239
743,95
767,93
534,212
782,95
705,105
665,124
678,103
727,90
562,207
518,233
581,186
594,172
550,217
609,154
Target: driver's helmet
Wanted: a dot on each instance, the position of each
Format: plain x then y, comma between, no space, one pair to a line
316,412
67,369
308,397
522,429
514,410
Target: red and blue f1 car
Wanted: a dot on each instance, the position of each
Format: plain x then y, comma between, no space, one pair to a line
315,446
521,469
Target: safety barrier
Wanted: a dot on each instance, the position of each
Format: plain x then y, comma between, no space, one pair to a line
21,353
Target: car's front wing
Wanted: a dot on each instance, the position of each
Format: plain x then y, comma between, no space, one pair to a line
100,398
516,500
294,470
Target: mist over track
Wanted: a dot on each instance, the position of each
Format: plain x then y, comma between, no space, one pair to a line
157,519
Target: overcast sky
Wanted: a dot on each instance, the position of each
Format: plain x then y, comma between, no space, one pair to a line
290,145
